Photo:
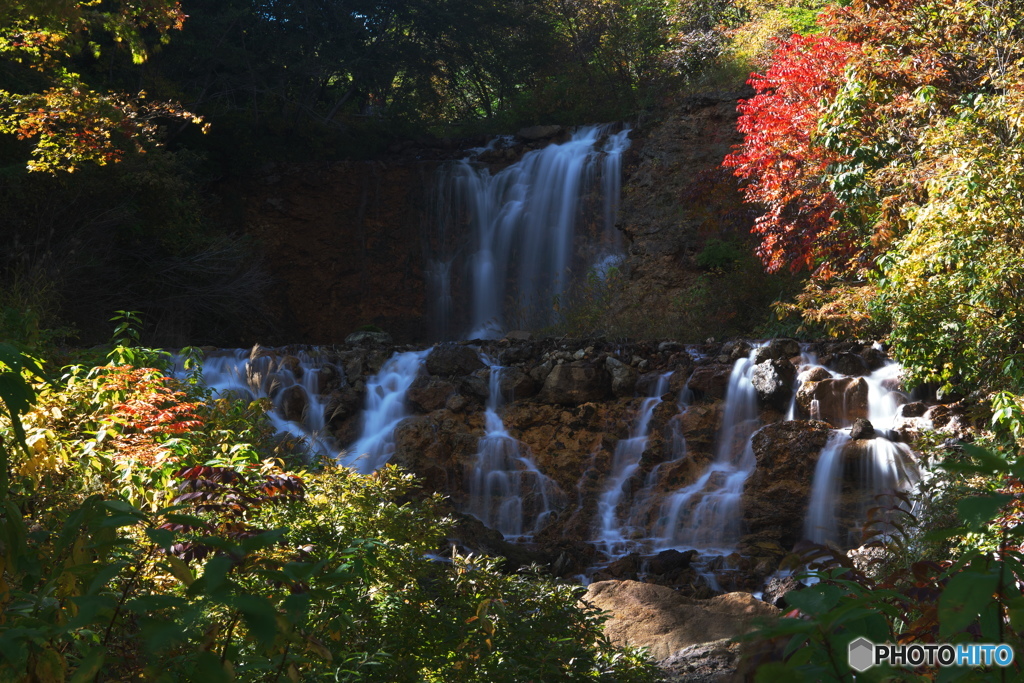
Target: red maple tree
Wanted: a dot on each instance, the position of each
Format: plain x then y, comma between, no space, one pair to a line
782,164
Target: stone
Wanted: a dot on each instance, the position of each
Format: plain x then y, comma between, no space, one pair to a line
814,373
451,360
777,349
736,350
668,561
342,404
664,621
533,133
915,409
540,372
848,364
862,429
575,383
713,662
776,495
293,402
874,358
623,377
669,346
519,335
773,380
515,384
368,338
427,394
840,400
775,590
710,381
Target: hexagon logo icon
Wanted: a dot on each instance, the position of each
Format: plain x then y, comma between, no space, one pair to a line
862,654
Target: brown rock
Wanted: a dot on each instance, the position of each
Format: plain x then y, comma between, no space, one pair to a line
659,618
710,381
293,402
574,383
427,394
776,494
450,360
840,401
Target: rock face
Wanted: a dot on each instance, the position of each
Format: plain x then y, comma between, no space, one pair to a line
659,618
776,495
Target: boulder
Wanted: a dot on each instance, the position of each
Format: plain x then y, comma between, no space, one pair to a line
776,494
813,373
668,561
623,377
665,622
714,662
773,380
293,402
848,364
862,429
874,358
623,568
427,394
775,590
777,349
515,384
533,133
735,350
710,381
574,383
840,401
451,360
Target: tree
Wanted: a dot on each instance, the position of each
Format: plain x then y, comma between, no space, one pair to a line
44,97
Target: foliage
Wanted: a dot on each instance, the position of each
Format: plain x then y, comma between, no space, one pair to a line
70,122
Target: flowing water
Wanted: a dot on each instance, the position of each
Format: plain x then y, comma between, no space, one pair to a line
523,222
614,537
506,490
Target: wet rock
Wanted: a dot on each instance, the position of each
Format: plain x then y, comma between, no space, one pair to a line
714,662
736,350
293,403
773,380
874,358
343,403
840,401
475,387
669,346
668,561
915,409
427,394
451,360
623,568
848,364
814,373
777,349
659,618
623,377
294,366
776,588
519,335
368,338
540,372
574,383
515,384
457,403
533,133
776,494
710,381
862,429
679,378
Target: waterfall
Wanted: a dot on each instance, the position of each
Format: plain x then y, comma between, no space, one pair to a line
385,408
706,514
292,383
523,221
885,465
506,490
614,538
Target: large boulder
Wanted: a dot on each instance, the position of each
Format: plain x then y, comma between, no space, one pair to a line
773,380
575,383
427,394
777,349
710,381
665,622
776,494
840,401
623,377
450,360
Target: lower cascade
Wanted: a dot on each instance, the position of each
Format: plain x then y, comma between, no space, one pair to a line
761,446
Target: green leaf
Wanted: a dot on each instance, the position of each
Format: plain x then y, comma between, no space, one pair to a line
963,599
90,666
978,511
776,672
259,615
816,600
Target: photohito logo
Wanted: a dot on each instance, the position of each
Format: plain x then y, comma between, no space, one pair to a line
864,654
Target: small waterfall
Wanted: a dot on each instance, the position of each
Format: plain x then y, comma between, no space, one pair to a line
614,538
523,223
291,382
885,465
385,408
820,524
706,514
506,490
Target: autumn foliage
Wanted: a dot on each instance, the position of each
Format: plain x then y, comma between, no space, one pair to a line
782,163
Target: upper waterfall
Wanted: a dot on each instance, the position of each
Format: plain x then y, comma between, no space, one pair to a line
519,254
